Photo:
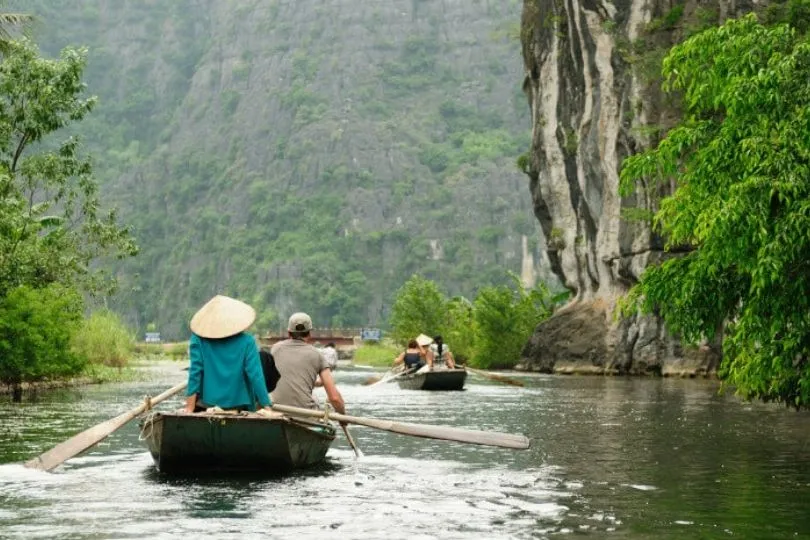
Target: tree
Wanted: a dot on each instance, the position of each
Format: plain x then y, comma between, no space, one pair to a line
459,332
51,224
419,308
741,210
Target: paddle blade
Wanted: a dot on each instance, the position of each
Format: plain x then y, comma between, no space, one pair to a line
507,380
486,438
494,377
89,437
79,443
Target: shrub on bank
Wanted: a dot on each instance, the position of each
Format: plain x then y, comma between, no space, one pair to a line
36,326
104,339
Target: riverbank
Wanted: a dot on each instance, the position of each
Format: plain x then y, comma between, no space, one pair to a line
673,370
137,370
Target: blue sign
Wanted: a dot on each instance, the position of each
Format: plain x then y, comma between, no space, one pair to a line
370,334
152,337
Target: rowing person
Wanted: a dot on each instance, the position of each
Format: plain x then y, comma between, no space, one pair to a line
330,354
441,354
413,357
225,370
301,365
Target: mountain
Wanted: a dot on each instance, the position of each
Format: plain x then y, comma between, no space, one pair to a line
305,154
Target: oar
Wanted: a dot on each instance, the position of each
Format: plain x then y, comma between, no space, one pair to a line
494,377
397,376
486,438
357,452
87,438
387,376
376,378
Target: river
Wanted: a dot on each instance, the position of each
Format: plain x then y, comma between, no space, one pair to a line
610,458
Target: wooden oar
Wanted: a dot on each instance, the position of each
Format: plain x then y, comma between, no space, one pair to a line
375,379
486,438
387,376
87,438
397,376
349,438
494,377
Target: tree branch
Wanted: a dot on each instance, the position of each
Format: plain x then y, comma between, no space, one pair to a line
18,152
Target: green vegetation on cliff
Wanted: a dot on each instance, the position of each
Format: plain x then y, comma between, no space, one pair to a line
740,156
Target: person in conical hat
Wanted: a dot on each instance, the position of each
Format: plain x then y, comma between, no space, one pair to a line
225,370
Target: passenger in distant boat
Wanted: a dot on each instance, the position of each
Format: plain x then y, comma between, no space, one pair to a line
441,354
413,357
225,370
300,365
330,354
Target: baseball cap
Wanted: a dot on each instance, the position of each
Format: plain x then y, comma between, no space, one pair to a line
299,322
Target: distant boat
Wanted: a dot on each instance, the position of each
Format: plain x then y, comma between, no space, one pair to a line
440,379
217,442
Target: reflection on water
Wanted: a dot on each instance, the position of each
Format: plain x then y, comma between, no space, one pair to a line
624,458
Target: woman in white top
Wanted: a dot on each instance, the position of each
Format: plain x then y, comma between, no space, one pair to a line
441,353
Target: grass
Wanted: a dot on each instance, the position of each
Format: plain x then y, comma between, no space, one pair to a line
376,354
104,339
99,373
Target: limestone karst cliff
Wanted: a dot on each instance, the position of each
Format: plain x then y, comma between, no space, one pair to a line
592,82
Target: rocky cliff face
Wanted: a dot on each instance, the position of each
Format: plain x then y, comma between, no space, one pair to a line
592,85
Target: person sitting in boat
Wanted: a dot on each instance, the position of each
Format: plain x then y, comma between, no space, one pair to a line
413,357
300,365
441,354
330,354
225,370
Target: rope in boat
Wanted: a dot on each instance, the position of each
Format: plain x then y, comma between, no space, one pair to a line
148,423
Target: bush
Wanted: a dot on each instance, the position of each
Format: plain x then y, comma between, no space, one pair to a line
104,339
36,326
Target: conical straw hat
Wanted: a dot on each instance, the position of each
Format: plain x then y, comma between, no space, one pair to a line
221,317
424,340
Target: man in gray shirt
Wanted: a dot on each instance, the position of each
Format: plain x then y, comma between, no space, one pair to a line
300,364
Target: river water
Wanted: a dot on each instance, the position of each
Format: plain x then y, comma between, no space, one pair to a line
610,458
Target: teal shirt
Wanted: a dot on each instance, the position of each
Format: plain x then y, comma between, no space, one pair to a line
226,372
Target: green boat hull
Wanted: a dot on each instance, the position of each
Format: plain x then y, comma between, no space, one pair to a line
441,379
202,443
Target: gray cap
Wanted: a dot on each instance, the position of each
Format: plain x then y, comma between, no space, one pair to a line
299,322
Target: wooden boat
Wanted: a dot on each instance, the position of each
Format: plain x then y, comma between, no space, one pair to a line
440,379
216,442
